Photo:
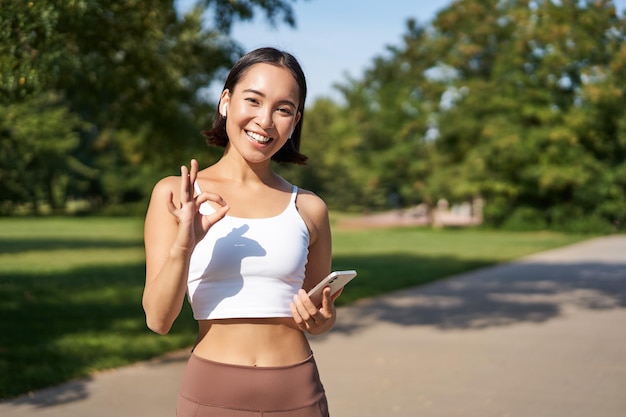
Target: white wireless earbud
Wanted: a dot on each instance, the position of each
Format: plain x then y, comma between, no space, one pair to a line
223,112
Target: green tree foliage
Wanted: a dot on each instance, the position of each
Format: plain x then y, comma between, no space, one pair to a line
132,72
326,139
520,102
37,139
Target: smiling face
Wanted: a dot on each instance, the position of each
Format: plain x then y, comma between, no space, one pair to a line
261,112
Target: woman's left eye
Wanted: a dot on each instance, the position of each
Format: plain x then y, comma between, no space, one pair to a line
285,111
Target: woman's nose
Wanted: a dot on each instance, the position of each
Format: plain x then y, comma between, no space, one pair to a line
266,118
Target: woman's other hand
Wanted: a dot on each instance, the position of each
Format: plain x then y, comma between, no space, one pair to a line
309,317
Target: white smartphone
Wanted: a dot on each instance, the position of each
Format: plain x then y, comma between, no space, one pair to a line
335,280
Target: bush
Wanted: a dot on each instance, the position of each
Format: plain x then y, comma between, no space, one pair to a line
525,219
586,224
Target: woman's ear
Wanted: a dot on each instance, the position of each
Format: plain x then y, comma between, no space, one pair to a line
296,121
224,103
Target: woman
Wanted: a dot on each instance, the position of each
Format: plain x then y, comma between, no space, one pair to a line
245,246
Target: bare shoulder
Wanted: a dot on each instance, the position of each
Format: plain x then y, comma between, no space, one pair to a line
313,210
165,186
165,191
311,203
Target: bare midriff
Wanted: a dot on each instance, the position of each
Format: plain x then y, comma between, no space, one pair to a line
252,342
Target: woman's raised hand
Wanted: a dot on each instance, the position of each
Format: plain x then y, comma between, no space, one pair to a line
193,226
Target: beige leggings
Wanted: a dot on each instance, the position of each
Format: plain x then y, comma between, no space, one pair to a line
213,389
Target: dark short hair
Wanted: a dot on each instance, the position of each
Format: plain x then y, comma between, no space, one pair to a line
290,152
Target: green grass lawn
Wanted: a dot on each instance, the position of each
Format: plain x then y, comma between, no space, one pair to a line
70,288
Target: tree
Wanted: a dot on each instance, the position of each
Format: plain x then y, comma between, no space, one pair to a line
326,140
519,102
37,138
132,71
527,155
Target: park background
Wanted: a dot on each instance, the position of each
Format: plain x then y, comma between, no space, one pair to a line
518,105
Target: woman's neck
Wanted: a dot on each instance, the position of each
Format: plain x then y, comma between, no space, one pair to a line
240,170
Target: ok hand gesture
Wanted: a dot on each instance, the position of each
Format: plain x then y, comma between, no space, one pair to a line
193,226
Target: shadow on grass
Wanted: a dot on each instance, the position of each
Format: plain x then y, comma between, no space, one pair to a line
63,326
13,246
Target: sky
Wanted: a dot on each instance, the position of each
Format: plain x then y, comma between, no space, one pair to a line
335,39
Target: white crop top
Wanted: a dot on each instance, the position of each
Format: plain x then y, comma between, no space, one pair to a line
248,268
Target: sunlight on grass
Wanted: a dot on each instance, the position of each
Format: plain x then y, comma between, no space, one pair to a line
462,244
66,260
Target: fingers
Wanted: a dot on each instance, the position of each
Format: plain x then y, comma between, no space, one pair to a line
187,180
171,207
186,192
193,172
306,315
336,295
209,220
190,202
205,196
328,299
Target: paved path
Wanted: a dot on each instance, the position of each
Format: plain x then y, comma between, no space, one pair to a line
541,337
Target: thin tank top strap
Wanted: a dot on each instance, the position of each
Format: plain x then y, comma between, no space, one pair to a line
196,187
294,194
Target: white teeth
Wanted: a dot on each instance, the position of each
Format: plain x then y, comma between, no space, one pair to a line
258,138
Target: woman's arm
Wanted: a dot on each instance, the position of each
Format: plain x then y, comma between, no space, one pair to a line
171,232
309,317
